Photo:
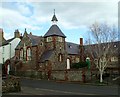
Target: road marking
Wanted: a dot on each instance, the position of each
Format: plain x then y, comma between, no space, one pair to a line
64,91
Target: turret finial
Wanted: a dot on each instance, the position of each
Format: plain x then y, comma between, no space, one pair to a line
54,11
25,29
54,18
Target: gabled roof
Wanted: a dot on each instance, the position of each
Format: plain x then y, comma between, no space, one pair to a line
72,48
46,55
54,31
7,41
34,39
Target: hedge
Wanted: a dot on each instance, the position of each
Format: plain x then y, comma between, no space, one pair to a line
79,65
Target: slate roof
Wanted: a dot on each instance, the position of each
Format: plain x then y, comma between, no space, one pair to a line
34,39
114,46
72,48
54,30
46,55
7,41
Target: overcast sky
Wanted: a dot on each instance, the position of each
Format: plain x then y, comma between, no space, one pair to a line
74,18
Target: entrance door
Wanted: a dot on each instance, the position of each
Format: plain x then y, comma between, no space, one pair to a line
68,63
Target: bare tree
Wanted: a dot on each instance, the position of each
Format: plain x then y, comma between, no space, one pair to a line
100,45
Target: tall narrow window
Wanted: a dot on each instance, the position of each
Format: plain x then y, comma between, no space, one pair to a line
68,63
21,54
28,54
60,57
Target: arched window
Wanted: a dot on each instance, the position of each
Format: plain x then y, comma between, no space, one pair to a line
68,63
60,57
21,54
28,54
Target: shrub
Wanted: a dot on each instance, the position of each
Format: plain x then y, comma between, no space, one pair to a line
11,84
79,65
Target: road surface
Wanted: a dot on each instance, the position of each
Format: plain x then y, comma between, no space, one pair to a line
44,87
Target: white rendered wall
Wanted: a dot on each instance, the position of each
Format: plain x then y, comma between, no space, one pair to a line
8,51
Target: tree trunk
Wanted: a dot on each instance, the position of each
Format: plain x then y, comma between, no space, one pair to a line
101,77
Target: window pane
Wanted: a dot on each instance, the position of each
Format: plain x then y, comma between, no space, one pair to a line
60,39
49,39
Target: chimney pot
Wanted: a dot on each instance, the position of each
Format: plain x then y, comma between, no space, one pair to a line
17,33
81,41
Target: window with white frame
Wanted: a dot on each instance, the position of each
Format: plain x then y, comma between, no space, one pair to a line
21,54
59,39
49,39
60,57
28,54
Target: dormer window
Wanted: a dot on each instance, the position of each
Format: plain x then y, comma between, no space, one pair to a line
60,39
49,39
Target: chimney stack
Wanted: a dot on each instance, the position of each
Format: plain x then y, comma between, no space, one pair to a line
1,36
81,41
30,33
81,50
1,33
17,34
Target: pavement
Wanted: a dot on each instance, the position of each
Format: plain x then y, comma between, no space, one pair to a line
45,87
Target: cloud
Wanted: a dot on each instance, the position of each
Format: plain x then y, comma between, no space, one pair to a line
36,15
82,13
8,35
13,19
59,1
24,9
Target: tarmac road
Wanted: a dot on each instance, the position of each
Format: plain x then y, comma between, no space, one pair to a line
44,87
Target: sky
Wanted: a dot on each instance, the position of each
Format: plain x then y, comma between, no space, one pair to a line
74,17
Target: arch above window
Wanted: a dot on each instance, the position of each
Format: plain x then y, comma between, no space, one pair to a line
68,63
29,53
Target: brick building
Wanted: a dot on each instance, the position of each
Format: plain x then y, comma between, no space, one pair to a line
52,54
48,52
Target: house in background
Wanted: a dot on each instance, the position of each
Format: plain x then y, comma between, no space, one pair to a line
7,47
